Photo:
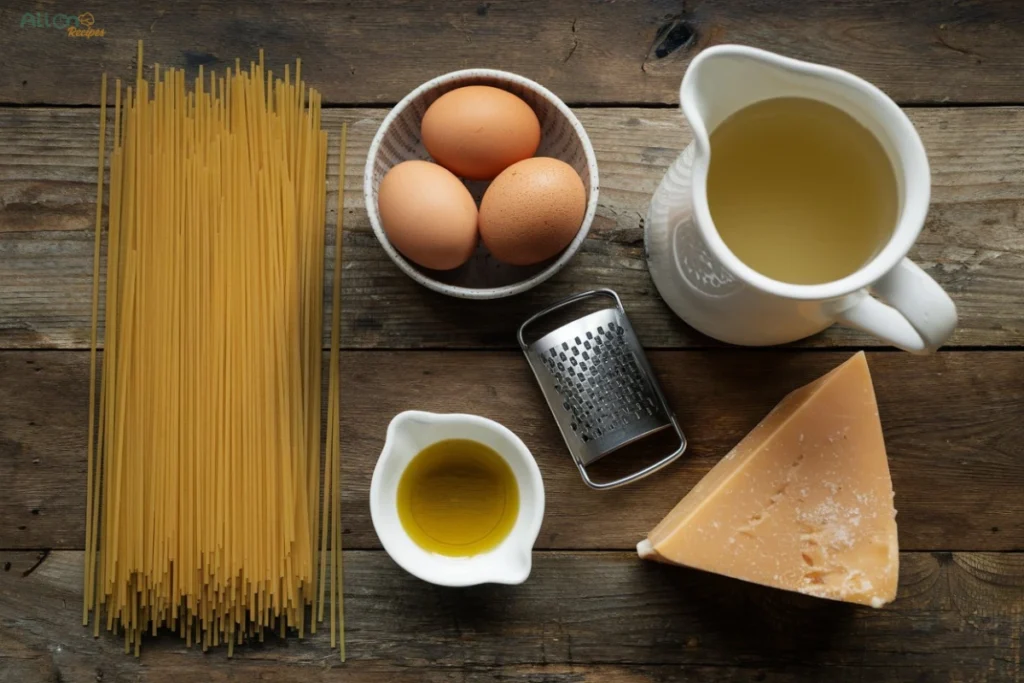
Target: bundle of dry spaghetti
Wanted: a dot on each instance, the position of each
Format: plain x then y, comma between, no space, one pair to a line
204,512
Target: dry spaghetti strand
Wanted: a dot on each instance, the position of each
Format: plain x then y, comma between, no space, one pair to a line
204,463
90,535
334,417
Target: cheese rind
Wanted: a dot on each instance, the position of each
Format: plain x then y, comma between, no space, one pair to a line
804,502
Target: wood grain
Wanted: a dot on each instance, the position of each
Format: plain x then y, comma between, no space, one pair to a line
952,423
591,611
973,243
617,619
369,51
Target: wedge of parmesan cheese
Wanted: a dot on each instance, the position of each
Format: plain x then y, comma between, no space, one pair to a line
803,503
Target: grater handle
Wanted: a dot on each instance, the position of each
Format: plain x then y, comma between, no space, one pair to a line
562,304
636,476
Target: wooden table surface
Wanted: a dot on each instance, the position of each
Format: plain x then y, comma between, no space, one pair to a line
591,611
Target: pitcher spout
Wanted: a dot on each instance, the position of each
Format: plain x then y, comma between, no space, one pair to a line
724,79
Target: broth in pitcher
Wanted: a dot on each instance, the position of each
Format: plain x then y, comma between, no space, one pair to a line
800,191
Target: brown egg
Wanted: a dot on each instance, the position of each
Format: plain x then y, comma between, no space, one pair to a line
532,211
478,131
428,215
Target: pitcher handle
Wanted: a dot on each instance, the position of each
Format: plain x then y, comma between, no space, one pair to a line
916,316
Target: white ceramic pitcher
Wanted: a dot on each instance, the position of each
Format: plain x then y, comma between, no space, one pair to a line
711,289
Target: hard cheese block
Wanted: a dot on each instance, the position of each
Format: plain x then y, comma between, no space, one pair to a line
803,503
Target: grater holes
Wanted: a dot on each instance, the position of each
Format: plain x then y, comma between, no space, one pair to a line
600,381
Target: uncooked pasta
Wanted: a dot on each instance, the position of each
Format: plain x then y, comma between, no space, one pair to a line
203,510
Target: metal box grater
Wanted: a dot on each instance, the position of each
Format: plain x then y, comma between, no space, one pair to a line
597,382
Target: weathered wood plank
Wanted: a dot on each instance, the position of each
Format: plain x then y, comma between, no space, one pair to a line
375,672
359,671
371,51
583,616
952,423
973,242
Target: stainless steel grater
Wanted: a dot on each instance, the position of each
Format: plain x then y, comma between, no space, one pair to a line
596,379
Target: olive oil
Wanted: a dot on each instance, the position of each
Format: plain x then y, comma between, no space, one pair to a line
458,498
800,191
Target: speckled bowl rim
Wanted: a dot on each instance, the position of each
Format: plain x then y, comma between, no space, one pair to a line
489,292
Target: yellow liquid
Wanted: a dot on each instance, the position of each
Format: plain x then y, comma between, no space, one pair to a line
458,498
800,191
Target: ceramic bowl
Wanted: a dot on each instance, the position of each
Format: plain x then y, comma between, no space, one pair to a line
398,140
408,434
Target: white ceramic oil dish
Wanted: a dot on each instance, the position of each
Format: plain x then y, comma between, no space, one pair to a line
398,140
408,434
700,278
